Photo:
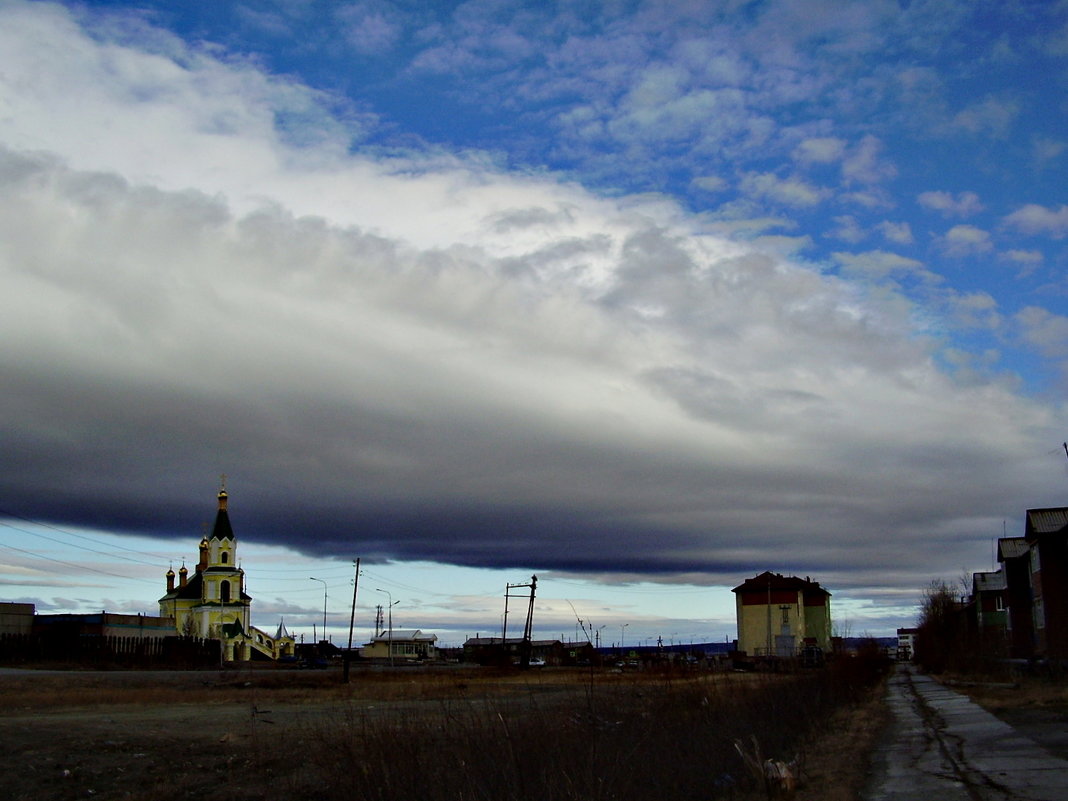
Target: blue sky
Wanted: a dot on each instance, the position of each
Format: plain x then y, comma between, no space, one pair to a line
915,146
645,298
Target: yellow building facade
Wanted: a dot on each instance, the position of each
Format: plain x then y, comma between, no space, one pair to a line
212,602
781,615
408,645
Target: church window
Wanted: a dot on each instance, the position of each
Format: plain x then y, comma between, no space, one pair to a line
225,588
224,556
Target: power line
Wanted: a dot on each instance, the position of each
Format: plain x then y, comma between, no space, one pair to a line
111,555
40,524
76,566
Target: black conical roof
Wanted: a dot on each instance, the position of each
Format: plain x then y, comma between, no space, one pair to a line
222,529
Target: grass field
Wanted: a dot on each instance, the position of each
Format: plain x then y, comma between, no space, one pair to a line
479,733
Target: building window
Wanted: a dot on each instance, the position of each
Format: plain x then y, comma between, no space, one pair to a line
225,589
223,557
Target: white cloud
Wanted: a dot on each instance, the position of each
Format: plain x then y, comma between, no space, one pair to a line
863,163
369,29
1044,330
975,310
710,183
1034,219
790,191
820,150
782,245
715,65
739,220
900,233
966,240
1046,149
965,204
1024,256
870,197
848,230
993,117
879,265
1027,259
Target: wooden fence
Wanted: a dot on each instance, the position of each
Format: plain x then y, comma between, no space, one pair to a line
98,651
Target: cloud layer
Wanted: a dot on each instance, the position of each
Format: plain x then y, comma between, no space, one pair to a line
422,356
693,409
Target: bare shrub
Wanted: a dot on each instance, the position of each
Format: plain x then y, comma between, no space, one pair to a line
944,641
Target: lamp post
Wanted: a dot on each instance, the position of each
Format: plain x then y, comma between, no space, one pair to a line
621,636
392,603
313,578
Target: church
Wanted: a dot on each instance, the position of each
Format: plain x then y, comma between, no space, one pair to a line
212,603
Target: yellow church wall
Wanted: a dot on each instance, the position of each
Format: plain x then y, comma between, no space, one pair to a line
206,619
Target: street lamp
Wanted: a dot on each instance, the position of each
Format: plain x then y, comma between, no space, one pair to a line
313,578
392,603
621,636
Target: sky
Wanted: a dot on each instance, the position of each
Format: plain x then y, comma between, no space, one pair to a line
642,298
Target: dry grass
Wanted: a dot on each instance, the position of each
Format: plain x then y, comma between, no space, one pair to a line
1027,692
839,757
625,741
75,690
550,735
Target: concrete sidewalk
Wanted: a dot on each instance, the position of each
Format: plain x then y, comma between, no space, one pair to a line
941,746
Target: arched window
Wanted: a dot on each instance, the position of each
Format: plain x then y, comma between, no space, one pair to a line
225,590
224,556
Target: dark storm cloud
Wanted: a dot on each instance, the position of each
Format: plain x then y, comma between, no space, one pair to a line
671,406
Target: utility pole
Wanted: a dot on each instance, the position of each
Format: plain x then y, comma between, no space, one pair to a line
352,619
527,630
524,647
504,621
323,582
392,603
